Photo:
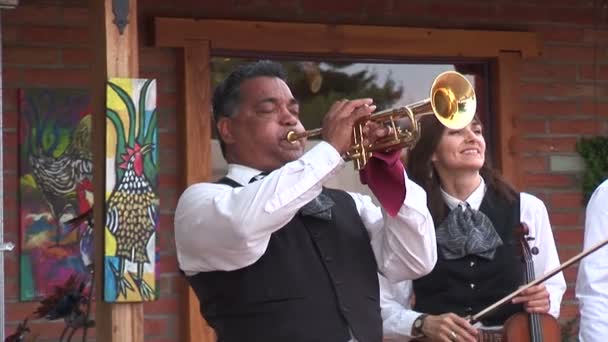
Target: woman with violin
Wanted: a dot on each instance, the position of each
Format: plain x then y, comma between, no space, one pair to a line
478,219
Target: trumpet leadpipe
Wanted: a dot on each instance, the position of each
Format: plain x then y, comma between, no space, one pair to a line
293,136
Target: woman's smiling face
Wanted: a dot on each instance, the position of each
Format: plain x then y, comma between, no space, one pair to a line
461,149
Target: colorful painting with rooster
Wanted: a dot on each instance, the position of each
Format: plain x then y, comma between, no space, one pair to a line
55,186
131,191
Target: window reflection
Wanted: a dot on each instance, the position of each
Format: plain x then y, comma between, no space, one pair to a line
319,84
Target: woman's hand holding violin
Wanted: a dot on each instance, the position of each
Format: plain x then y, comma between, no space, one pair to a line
448,327
535,299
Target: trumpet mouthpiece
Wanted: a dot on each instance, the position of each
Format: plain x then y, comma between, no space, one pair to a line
292,137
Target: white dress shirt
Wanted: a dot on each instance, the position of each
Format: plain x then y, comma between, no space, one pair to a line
395,299
218,227
592,280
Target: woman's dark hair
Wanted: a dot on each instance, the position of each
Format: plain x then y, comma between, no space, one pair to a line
420,169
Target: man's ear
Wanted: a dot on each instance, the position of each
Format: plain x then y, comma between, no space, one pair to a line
224,129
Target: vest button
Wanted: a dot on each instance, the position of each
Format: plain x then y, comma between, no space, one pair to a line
345,309
328,259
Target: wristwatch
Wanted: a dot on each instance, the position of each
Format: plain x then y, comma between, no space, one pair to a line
417,326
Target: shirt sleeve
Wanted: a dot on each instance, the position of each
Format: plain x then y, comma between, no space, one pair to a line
404,245
397,316
592,280
218,227
534,214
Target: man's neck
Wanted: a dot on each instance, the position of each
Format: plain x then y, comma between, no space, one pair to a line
233,159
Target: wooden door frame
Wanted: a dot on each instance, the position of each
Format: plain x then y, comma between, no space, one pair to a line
201,39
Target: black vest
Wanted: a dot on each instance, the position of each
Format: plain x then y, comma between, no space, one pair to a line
468,285
316,280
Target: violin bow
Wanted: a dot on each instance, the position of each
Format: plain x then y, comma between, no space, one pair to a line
475,318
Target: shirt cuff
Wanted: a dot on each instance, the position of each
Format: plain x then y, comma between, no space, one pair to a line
402,326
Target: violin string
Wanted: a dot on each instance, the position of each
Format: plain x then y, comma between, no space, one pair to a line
535,327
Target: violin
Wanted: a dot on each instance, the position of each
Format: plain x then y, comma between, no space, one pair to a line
506,299
524,326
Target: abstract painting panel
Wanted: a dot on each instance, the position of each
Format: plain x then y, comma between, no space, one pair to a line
55,186
131,198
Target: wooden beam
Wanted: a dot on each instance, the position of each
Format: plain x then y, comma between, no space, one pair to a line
116,55
508,70
197,114
229,36
122,50
195,129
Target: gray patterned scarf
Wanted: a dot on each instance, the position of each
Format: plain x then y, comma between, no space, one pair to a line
467,231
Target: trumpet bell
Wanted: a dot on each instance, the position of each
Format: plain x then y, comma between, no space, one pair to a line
453,100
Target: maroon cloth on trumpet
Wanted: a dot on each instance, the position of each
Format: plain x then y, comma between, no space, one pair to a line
384,174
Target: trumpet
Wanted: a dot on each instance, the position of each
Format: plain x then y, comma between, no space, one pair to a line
452,100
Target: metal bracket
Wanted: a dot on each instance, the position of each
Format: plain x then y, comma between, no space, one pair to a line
120,8
8,4
7,246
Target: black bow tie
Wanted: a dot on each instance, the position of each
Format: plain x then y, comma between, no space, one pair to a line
319,207
258,177
466,231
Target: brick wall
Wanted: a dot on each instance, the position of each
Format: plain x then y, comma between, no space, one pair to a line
564,96
48,44
43,46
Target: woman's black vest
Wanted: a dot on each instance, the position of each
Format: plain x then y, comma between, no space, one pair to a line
468,285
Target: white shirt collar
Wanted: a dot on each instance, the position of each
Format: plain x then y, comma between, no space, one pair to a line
241,173
474,199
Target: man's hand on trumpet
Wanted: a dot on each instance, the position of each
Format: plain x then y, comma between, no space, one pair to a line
339,121
374,131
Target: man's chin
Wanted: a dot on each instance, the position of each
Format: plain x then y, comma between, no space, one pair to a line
292,155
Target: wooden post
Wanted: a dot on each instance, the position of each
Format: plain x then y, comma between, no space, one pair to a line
195,128
116,55
507,96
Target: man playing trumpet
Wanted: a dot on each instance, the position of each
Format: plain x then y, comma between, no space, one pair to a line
271,253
